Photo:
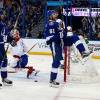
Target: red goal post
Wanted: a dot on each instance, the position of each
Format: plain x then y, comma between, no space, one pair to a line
81,71
66,62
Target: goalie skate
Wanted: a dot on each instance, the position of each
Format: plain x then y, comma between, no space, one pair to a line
85,59
85,54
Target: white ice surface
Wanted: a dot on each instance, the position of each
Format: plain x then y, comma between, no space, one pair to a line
27,89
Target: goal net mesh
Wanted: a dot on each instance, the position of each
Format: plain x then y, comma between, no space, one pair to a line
81,70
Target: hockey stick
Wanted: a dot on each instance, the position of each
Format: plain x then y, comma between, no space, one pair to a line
32,47
4,56
17,20
19,8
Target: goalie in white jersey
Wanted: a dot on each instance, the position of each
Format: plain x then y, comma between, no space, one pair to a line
19,53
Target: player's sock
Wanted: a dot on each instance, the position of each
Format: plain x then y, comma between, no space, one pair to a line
29,72
32,70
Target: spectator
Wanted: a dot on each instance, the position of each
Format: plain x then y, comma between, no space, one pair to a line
29,33
40,35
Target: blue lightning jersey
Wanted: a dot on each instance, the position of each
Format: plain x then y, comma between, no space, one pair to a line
52,32
4,37
4,34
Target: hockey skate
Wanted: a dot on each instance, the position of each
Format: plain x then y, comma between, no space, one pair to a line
85,57
0,85
36,72
53,83
7,82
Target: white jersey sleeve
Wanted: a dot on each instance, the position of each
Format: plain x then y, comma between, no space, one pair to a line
20,49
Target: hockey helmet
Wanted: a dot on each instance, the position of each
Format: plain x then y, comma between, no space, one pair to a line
59,21
69,28
50,13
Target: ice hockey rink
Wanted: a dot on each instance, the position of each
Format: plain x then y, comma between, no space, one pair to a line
28,89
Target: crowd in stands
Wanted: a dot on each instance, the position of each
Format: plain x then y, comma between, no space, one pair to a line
89,27
85,3
31,17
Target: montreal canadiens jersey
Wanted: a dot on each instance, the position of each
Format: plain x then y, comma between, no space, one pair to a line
20,49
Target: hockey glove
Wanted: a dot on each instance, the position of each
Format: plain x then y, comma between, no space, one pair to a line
55,38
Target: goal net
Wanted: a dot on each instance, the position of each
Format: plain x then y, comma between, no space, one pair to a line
79,70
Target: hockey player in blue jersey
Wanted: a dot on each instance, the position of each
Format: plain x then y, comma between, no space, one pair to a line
4,38
53,39
71,38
